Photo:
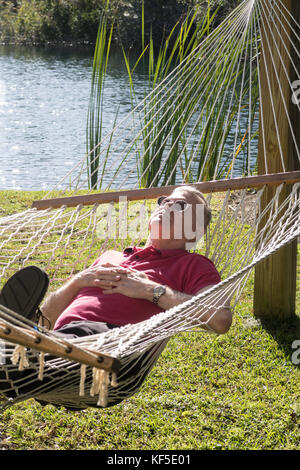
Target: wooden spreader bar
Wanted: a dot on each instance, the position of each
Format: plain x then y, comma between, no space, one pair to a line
58,347
151,193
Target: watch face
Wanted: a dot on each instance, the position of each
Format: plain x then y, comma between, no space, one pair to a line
159,290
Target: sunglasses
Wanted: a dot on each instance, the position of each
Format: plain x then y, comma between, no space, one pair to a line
179,204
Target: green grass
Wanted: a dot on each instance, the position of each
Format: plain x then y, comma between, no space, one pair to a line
237,391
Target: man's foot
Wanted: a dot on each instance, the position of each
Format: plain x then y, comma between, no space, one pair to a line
24,291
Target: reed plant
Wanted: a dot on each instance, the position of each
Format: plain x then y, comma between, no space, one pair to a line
95,110
167,112
188,127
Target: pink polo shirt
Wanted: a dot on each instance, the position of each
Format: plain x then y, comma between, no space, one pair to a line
178,269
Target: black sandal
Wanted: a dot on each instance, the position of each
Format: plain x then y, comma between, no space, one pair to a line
24,291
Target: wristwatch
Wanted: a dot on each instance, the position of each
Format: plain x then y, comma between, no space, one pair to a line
157,293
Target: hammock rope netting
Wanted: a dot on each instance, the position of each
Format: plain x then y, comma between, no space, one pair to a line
244,230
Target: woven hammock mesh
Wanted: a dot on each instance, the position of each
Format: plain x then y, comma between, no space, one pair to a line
243,231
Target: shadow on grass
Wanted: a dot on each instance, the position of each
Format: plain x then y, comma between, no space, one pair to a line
287,335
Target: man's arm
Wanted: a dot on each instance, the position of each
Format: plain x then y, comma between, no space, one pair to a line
58,301
218,317
137,285
115,279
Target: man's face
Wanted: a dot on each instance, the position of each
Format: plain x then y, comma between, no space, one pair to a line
178,218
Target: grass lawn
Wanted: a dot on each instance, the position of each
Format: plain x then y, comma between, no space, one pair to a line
236,391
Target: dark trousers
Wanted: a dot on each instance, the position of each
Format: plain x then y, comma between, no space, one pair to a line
77,329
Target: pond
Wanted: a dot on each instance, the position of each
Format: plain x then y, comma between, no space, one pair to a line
44,96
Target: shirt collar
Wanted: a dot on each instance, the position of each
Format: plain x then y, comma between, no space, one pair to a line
151,250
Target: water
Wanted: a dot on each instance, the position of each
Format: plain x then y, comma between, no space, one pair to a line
44,97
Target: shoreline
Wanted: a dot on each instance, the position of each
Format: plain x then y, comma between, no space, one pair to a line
62,44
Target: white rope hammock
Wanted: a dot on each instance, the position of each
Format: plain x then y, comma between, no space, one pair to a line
65,240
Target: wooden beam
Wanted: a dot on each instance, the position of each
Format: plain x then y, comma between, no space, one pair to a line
57,347
152,193
275,278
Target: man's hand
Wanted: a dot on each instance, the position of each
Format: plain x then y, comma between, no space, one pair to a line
126,281
98,276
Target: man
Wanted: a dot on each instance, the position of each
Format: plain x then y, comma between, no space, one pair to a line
130,287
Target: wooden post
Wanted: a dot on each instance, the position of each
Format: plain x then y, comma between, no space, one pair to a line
275,278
